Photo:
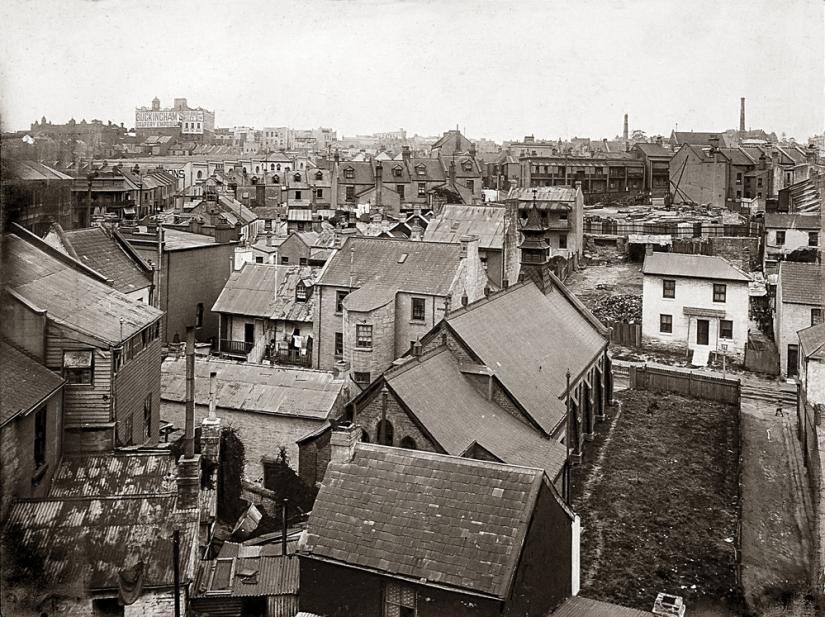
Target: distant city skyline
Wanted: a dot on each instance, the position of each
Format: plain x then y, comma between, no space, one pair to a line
497,70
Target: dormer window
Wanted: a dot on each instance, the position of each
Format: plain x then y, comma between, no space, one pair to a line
297,177
420,170
319,175
300,292
467,166
349,173
396,171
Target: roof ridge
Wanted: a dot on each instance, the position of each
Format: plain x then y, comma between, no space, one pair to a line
39,244
484,300
399,369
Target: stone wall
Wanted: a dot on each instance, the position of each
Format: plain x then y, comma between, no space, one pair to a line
368,415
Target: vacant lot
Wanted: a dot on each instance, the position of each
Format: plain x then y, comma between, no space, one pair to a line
592,283
658,500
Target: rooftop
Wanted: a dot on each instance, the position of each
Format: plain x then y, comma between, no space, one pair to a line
24,383
813,341
801,283
32,170
543,193
53,282
530,340
457,415
268,291
577,606
693,266
455,221
254,387
107,475
442,520
101,251
393,264
253,577
780,220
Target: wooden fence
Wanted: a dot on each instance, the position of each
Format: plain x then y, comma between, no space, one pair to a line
706,387
626,334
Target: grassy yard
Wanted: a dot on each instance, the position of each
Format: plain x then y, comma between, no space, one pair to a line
657,495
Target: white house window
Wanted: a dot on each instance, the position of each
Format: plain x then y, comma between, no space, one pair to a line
300,292
349,173
720,291
725,328
666,323
363,336
78,367
419,306
668,288
399,600
780,237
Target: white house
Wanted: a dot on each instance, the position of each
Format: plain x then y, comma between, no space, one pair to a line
799,301
695,302
785,233
812,364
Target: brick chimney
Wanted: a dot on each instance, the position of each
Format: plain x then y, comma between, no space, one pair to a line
626,132
189,464
405,154
211,425
379,183
452,172
342,442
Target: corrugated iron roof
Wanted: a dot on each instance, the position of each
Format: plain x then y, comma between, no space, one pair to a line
105,475
88,541
428,517
486,222
530,340
70,296
543,193
693,266
255,387
24,383
267,290
253,577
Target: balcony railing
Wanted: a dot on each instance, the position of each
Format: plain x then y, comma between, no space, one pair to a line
237,348
290,357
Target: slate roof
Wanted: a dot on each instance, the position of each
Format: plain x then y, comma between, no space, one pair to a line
530,340
695,138
89,540
801,283
267,290
452,141
577,606
107,475
813,341
47,279
253,577
237,209
654,150
693,266
457,415
24,383
427,517
781,220
103,253
428,268
257,388
486,222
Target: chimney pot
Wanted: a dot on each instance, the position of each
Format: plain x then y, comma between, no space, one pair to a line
416,348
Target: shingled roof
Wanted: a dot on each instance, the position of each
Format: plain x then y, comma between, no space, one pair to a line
801,283
813,341
24,383
389,263
102,252
577,606
442,520
457,415
530,340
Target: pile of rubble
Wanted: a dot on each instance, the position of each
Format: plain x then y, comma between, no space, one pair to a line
625,308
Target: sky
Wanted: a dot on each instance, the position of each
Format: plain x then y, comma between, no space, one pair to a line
497,69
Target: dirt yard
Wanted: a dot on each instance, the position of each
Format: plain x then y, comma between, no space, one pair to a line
592,283
658,499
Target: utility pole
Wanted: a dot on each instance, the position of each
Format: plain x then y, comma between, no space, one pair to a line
176,567
567,438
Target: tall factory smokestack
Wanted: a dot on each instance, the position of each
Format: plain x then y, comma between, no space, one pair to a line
742,114
626,132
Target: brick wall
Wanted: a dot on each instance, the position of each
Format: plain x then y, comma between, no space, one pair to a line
261,434
368,415
154,604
